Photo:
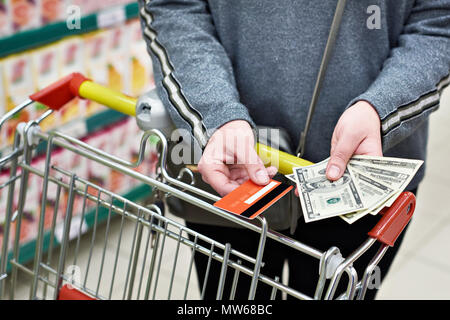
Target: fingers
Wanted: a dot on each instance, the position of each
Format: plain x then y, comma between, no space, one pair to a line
357,132
218,177
257,172
230,159
341,151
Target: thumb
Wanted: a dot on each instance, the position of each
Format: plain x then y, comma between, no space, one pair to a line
256,170
341,152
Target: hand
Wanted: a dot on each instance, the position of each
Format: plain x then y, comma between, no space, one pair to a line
230,158
357,132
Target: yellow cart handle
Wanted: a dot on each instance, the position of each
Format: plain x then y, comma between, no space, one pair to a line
64,90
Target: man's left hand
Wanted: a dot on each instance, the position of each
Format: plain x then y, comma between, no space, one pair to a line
357,132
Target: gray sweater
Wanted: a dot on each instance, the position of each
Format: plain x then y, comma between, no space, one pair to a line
257,60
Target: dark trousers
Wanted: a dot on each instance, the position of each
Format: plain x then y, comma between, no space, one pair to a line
303,269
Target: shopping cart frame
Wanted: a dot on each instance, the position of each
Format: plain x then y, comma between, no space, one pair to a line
331,263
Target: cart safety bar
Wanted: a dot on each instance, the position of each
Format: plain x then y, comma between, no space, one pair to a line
76,85
394,219
69,293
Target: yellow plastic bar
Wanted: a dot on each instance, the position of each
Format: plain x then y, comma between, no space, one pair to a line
108,97
282,160
127,105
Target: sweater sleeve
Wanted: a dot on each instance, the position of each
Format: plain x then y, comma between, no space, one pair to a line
409,86
193,73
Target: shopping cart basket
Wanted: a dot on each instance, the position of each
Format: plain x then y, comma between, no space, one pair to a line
72,263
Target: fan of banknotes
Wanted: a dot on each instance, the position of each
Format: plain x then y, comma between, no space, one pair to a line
368,185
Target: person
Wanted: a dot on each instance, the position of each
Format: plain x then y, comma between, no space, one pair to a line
225,67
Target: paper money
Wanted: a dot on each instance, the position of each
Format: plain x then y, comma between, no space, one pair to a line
389,162
369,184
321,198
373,193
394,172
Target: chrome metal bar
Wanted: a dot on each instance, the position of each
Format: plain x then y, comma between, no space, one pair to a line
134,253
223,272
369,270
52,235
346,263
160,260
65,238
323,271
21,203
119,242
235,281
174,266
8,216
7,116
40,236
100,273
273,295
191,264
261,245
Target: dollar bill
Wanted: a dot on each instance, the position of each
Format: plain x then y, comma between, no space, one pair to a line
409,165
321,198
373,182
395,172
373,193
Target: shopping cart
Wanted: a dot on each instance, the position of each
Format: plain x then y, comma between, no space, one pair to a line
70,263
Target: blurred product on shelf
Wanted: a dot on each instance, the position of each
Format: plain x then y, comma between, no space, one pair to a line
22,15
117,41
53,10
45,71
2,107
140,67
18,83
26,14
5,19
105,56
89,6
71,59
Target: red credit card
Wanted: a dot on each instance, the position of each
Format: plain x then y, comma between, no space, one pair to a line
249,200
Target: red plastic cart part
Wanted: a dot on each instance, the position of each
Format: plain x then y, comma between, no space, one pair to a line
70,293
59,93
394,220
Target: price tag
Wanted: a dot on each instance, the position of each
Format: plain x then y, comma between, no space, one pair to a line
111,17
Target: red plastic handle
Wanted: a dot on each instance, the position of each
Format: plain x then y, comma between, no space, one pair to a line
67,293
59,93
395,218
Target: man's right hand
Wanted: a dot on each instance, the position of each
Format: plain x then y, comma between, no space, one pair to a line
230,158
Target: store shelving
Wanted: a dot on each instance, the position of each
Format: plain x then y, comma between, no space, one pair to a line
52,32
82,126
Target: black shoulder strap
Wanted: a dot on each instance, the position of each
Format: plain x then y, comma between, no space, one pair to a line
323,66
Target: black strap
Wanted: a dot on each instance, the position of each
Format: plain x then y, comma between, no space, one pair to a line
323,66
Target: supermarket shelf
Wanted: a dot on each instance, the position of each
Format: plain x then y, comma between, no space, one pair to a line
27,250
82,127
52,32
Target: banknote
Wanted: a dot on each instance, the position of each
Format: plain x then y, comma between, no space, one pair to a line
369,184
373,193
395,172
321,198
410,165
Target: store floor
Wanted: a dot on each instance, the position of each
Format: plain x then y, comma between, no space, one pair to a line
420,271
